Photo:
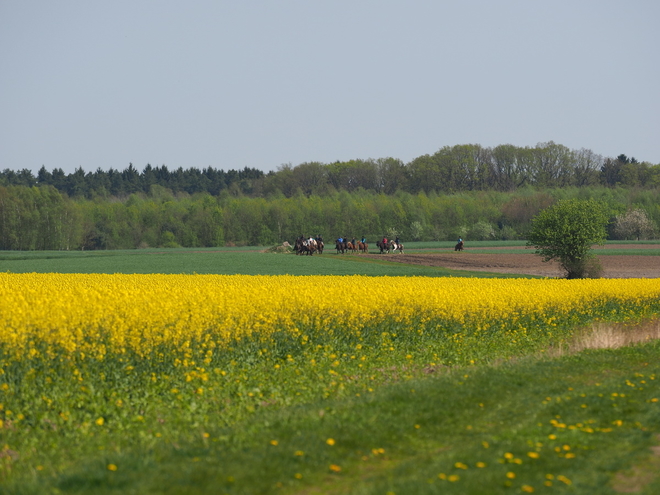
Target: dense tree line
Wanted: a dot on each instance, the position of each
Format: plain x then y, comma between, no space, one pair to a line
120,184
450,170
41,217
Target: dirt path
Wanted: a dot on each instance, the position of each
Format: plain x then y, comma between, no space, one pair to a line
614,266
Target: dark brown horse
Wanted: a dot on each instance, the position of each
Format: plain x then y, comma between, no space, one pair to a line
298,246
382,246
459,246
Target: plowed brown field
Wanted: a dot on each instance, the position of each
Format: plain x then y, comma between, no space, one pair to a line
528,263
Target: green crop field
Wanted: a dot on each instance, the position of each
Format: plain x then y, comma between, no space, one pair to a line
225,261
255,261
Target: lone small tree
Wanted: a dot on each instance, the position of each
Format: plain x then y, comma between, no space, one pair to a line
567,230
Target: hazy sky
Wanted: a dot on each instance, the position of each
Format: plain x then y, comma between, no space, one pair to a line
230,84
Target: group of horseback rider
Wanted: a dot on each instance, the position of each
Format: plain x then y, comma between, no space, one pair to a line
391,245
309,245
343,244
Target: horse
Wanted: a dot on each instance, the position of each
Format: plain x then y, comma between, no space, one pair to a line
363,247
382,246
459,246
311,246
351,247
393,246
340,246
319,246
305,246
298,247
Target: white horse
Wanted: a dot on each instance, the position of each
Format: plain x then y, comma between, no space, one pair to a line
393,246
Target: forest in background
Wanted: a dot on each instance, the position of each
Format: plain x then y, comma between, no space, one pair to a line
466,190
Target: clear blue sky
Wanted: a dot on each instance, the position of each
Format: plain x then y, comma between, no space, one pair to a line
230,84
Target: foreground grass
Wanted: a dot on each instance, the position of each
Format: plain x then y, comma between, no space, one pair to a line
565,425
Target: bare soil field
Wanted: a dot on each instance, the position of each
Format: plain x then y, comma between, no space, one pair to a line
528,263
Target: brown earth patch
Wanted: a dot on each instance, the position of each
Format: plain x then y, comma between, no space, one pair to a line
526,263
596,248
640,475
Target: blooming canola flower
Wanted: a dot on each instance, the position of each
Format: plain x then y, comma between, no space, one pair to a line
96,314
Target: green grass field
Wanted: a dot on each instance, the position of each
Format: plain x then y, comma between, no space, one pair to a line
576,424
225,261
253,261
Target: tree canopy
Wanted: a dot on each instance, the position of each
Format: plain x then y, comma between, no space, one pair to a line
452,169
566,232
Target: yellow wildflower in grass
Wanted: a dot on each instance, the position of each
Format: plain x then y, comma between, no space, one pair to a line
335,468
112,467
330,441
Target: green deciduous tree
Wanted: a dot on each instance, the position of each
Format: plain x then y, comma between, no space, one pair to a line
566,231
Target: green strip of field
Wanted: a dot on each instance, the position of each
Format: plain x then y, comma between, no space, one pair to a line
225,261
253,261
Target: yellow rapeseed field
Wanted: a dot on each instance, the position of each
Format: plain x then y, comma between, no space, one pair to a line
113,377
96,314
